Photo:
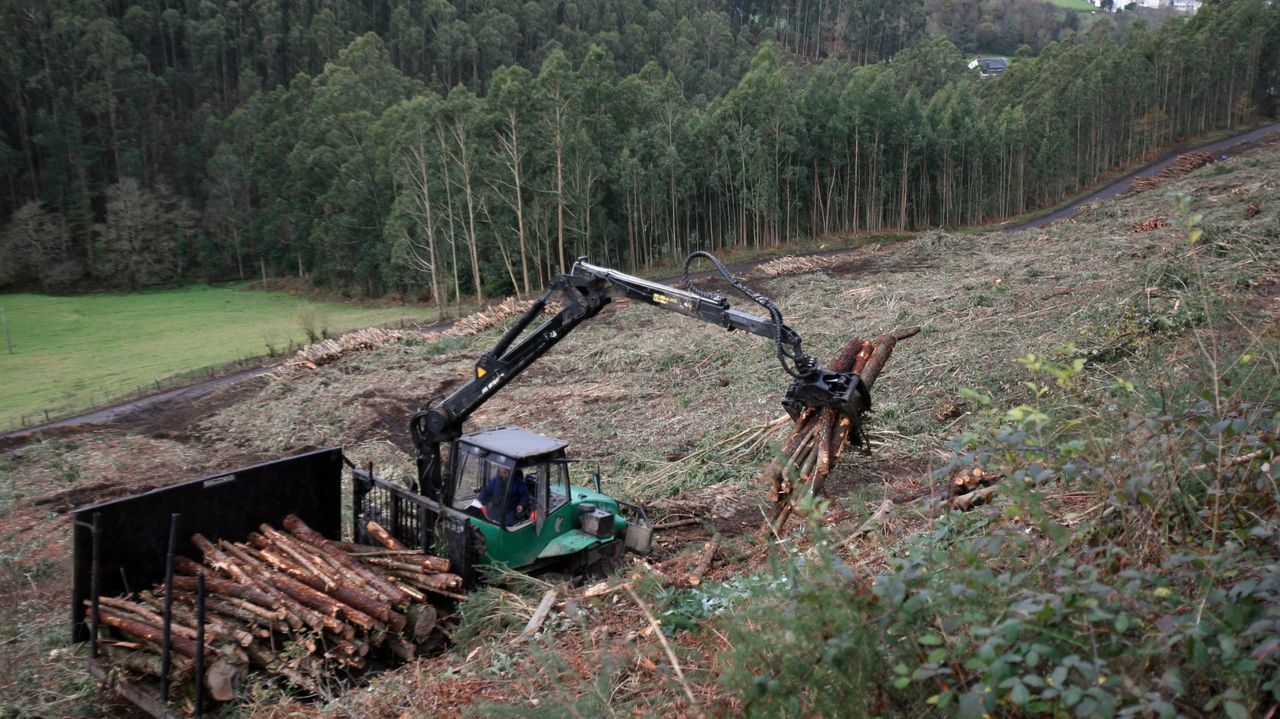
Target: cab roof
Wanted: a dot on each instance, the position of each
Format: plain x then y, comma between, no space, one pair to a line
514,442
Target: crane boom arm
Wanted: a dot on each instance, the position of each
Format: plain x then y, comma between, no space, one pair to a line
582,294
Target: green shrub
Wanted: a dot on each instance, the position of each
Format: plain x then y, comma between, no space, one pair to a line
1161,598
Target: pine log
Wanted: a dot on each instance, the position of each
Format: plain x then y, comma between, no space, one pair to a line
383,536
229,608
271,537
147,632
331,609
300,529
222,679
704,562
263,576
422,619
218,585
443,580
415,582
142,613
219,560
352,596
183,611
145,659
403,650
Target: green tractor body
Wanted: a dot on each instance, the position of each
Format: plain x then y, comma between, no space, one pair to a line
514,486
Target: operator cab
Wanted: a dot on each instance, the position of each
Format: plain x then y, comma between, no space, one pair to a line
510,477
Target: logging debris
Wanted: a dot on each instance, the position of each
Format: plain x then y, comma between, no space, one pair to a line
1154,223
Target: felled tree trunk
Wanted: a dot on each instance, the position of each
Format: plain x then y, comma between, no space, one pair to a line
820,435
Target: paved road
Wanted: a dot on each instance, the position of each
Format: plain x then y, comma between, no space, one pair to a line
195,391
1217,149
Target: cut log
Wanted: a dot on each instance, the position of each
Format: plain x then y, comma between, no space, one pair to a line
540,614
183,612
147,632
403,650
331,609
383,536
704,562
300,529
142,613
286,544
443,580
421,620
222,679
876,520
263,576
218,585
145,659
814,447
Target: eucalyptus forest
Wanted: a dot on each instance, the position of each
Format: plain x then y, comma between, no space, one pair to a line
454,150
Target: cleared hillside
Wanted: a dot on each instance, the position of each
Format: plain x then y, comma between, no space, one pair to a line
1126,559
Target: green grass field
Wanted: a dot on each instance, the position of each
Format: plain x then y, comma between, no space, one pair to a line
1075,4
71,353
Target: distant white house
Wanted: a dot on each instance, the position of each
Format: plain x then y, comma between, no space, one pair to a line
1114,7
1188,7
989,66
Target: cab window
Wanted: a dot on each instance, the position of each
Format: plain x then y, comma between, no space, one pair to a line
471,478
558,491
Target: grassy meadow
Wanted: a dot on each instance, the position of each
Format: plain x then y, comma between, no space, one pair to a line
1082,5
70,353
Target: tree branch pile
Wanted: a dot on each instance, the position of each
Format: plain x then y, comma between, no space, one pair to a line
292,603
819,436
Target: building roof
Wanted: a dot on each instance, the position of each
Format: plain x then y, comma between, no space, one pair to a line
995,65
989,65
514,442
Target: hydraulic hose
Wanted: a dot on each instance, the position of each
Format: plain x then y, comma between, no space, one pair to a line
797,356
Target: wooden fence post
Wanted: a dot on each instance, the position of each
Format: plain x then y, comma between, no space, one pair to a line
7,340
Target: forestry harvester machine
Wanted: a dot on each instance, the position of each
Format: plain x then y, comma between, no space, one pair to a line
548,520
271,535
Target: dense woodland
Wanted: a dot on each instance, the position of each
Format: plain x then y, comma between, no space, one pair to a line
453,150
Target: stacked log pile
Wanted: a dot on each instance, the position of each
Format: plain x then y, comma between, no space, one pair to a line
492,315
1181,166
792,265
291,603
820,435
331,350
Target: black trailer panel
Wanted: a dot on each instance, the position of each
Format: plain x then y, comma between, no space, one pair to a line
135,530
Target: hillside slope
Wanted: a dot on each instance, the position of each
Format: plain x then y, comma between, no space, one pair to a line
1126,559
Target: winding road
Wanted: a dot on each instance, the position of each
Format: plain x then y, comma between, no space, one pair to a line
1225,147
1219,149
